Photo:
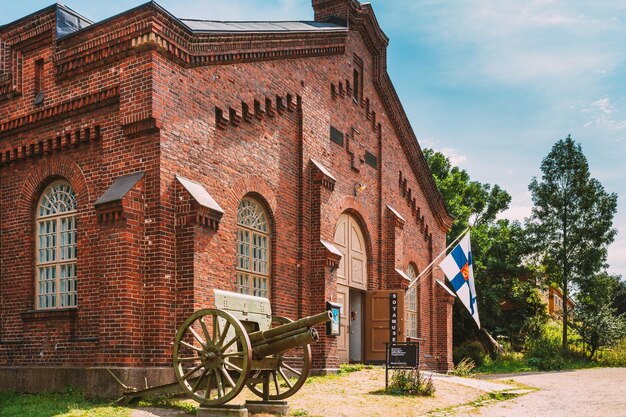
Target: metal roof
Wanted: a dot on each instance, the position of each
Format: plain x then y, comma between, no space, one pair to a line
200,194
119,188
213,26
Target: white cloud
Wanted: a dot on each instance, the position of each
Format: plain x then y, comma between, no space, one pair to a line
537,43
599,112
617,257
604,104
520,207
454,156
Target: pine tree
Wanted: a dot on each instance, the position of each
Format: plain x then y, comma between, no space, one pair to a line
572,219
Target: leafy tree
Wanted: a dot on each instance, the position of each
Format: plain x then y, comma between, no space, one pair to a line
465,198
597,320
505,296
619,297
571,221
600,327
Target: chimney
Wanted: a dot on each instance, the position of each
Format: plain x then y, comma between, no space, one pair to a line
337,11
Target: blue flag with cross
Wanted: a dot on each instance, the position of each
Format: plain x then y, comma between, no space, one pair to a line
459,269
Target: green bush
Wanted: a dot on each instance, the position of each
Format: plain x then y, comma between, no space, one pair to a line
615,356
544,352
506,362
410,382
471,350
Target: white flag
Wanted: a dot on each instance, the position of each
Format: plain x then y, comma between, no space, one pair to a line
459,270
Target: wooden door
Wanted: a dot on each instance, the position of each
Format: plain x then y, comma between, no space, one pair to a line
378,321
350,241
352,273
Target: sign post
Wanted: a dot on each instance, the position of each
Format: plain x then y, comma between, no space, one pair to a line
401,355
393,317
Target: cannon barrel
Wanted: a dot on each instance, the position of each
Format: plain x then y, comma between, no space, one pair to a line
303,338
304,323
287,336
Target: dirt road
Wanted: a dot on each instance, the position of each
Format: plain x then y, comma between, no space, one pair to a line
586,392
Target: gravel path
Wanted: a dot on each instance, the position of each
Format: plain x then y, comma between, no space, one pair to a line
586,392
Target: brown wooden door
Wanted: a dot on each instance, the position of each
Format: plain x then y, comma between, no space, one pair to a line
377,322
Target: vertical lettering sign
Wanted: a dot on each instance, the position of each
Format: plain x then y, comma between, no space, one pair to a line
393,317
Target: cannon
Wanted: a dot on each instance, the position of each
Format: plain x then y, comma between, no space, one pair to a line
219,351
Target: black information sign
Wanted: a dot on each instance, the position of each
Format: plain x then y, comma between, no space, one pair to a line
401,355
393,317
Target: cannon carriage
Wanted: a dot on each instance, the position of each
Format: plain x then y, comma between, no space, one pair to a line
219,351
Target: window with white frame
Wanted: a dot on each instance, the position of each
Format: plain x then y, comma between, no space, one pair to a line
253,249
411,305
56,247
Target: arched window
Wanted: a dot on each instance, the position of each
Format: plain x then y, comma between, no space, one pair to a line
411,305
253,249
56,247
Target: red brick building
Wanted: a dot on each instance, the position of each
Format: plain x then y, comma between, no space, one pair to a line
146,160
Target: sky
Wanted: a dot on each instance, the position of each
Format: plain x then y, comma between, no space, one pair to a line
492,84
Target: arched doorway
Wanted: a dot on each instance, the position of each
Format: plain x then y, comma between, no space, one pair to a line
351,287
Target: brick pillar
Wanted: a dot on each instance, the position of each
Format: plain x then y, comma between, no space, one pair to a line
443,348
121,296
326,10
394,223
323,281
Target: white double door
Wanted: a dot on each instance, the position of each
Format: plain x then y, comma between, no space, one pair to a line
351,287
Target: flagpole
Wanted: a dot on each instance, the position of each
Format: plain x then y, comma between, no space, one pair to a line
429,267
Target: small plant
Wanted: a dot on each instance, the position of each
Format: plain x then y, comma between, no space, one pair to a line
464,368
410,382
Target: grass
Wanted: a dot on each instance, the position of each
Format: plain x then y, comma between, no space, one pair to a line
344,369
485,399
68,404
188,406
511,362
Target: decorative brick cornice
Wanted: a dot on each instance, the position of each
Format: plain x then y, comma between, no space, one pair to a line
38,148
152,28
31,29
144,126
261,108
110,213
337,91
65,108
407,193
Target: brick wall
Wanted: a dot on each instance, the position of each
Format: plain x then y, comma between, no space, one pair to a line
127,97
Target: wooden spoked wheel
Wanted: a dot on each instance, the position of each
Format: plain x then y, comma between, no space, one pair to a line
292,370
212,356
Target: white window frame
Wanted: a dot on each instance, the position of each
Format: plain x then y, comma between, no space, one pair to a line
411,302
253,263
56,249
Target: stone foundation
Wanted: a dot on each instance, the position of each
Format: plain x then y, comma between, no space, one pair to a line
96,382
